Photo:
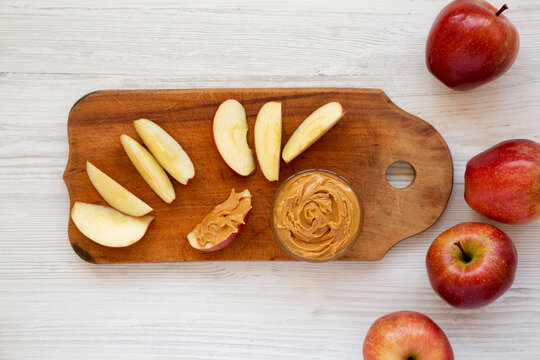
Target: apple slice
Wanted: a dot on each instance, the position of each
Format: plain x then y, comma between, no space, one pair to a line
268,139
148,167
316,125
166,150
230,136
115,194
223,224
107,226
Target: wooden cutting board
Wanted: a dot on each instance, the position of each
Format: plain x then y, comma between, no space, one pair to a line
372,135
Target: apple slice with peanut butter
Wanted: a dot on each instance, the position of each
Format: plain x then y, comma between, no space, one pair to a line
223,224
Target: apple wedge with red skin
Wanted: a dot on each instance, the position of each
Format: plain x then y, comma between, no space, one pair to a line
223,224
230,130
107,226
312,129
471,265
406,335
503,182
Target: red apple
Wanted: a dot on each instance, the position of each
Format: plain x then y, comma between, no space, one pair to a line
503,182
471,264
406,335
471,43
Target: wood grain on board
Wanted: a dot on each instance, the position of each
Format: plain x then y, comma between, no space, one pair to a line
371,136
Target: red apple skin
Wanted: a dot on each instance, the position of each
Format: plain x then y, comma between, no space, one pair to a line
469,45
479,282
228,240
406,335
503,182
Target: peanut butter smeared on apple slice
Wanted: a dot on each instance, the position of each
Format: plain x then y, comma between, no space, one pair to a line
149,168
115,194
167,151
221,226
107,226
312,129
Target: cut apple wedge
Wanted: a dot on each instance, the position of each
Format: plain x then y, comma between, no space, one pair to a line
312,128
223,224
166,150
115,194
230,136
107,226
268,139
149,168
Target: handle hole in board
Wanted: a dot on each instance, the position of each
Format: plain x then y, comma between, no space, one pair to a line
400,175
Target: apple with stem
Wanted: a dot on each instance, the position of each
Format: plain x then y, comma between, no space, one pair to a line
406,335
471,264
471,43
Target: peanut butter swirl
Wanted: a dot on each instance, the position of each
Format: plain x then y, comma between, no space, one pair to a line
317,215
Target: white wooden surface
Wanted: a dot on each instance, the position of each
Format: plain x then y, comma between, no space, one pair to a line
55,306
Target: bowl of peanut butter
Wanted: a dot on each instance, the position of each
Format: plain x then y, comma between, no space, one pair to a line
316,215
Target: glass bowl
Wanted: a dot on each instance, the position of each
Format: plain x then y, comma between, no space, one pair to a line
278,201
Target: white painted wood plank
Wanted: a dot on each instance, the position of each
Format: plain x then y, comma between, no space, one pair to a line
55,306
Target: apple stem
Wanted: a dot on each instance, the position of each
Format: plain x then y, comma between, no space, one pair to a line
504,7
466,257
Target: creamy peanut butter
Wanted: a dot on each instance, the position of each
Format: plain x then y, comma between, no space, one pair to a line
224,220
317,215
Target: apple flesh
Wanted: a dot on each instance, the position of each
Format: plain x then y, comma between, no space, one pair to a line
115,194
267,136
471,265
107,226
470,43
406,335
503,182
166,150
149,168
312,129
229,226
230,130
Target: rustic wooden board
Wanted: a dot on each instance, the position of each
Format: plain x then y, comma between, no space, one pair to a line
372,135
